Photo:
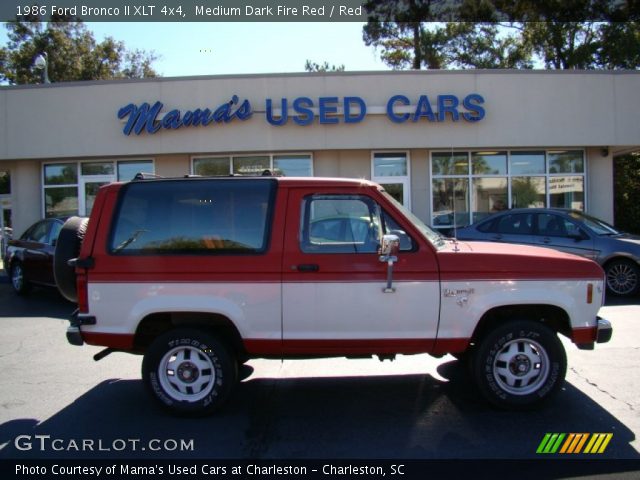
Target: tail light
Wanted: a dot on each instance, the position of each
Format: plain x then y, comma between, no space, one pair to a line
83,293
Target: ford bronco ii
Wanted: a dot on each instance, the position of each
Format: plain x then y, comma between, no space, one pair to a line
202,274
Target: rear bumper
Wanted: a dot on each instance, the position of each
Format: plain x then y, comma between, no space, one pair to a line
74,336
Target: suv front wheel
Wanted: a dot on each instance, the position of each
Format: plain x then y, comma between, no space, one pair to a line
520,365
189,371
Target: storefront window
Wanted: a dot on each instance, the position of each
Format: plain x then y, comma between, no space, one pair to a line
61,174
489,163
127,170
501,180
250,165
61,189
450,163
527,163
389,165
566,192
207,167
61,201
97,168
490,195
528,192
71,188
391,170
292,165
284,165
450,202
566,161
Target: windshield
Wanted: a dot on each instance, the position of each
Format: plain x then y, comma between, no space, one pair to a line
596,225
435,238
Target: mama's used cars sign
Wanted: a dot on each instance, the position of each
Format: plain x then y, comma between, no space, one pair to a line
303,111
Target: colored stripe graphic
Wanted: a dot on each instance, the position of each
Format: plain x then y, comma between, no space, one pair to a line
574,443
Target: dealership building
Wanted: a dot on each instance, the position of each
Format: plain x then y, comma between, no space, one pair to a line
452,145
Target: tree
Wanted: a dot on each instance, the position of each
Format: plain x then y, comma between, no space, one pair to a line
408,37
310,66
72,52
396,26
561,34
626,191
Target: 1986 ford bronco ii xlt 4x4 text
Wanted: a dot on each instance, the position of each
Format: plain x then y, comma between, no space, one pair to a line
202,274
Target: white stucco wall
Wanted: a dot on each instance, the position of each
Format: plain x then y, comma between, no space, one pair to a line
523,109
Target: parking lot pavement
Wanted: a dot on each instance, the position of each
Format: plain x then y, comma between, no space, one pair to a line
414,407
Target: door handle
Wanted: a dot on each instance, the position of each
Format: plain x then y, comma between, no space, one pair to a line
546,240
307,267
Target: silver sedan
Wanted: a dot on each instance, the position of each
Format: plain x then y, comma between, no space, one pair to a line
570,231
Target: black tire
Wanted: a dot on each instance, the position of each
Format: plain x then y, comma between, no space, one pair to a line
19,283
623,277
68,247
520,365
189,372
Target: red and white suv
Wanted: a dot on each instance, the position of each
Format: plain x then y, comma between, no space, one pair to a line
202,274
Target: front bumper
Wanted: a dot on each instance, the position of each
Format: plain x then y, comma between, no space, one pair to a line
601,333
604,331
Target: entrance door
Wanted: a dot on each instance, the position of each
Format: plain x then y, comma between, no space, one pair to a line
333,281
89,186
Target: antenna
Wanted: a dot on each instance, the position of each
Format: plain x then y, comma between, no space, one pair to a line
456,248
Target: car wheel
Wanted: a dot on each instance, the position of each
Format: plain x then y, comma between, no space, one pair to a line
189,372
20,284
622,277
68,247
520,365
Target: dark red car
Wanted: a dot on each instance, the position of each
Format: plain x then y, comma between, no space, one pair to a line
29,259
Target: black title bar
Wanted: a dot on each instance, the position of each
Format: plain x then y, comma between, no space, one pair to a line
321,10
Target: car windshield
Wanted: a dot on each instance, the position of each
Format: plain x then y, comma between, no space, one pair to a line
596,225
435,238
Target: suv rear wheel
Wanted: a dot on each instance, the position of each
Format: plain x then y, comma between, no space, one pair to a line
189,371
520,365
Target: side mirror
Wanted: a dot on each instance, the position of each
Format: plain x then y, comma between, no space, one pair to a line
389,253
390,248
579,236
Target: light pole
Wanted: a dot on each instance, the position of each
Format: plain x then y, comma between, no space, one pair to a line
41,63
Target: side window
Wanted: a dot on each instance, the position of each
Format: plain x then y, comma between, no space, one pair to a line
55,231
486,227
553,225
38,233
193,217
515,224
391,226
340,224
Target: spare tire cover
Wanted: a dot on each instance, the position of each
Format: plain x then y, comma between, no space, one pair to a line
68,247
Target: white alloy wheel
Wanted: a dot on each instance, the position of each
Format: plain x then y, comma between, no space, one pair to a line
521,367
186,374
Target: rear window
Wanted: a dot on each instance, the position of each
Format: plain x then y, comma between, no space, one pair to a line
193,217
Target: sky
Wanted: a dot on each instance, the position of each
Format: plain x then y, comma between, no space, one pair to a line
199,48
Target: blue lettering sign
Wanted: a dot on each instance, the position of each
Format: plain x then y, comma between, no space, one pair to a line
391,114
326,109
356,117
284,116
472,103
423,109
304,111
145,117
302,105
448,104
